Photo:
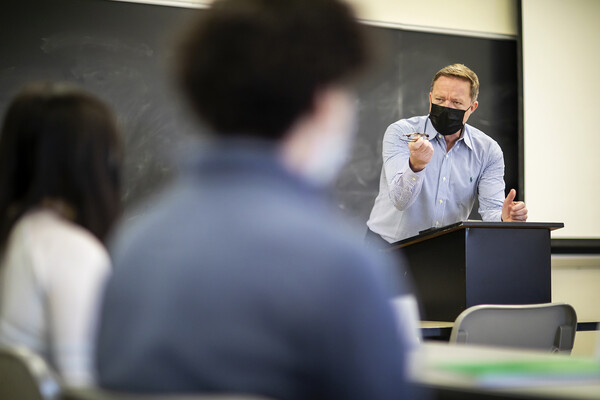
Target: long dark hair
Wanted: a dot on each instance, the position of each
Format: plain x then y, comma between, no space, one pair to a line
59,142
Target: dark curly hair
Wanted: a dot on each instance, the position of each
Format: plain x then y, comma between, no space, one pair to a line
252,67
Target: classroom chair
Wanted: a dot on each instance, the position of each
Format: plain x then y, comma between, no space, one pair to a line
547,327
25,375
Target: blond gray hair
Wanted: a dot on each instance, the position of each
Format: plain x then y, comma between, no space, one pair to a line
460,71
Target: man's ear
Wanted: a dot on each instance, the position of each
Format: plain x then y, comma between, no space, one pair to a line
474,106
429,102
470,110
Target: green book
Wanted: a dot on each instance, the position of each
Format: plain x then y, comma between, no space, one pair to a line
562,370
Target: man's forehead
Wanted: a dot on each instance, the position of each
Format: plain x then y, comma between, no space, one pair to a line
456,86
452,82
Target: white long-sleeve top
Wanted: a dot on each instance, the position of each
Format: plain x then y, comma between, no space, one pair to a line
52,274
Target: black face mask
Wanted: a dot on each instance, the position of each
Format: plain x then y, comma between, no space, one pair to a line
446,120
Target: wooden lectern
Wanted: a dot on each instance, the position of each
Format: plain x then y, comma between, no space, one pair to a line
476,262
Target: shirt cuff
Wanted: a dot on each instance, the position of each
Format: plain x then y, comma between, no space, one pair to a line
414,176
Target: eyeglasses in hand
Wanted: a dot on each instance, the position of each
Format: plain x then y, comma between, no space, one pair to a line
413,137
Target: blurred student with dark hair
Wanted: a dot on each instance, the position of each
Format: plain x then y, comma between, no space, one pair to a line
241,277
59,174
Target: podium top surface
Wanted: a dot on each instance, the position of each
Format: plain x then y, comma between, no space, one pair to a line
433,232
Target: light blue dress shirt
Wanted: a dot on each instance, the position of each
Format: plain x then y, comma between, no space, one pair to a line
442,193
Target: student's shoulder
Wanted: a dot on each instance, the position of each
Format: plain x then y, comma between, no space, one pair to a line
340,241
47,228
58,246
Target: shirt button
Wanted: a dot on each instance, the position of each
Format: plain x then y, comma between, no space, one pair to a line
437,223
444,179
414,179
441,201
446,155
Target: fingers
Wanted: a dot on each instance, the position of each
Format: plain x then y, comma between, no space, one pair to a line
421,152
513,211
518,206
518,211
417,144
420,147
510,197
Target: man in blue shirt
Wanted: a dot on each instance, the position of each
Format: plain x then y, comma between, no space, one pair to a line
241,277
433,181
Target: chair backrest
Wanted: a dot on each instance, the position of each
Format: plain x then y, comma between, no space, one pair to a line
548,326
100,394
25,375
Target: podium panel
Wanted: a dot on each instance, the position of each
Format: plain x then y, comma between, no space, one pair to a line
474,262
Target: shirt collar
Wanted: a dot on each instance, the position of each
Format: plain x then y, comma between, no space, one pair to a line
466,134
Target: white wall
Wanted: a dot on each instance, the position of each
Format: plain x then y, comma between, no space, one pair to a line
561,58
481,18
561,42
470,17
575,280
